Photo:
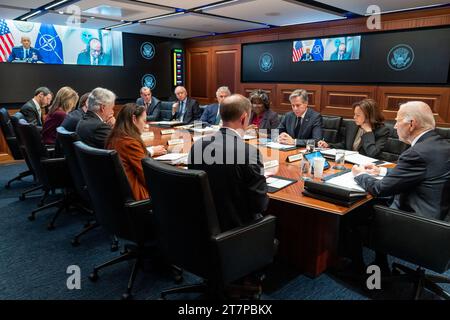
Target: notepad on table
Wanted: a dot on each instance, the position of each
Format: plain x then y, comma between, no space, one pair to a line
276,183
173,158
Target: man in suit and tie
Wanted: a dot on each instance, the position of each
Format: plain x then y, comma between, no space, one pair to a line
25,52
186,109
94,55
302,123
33,110
96,124
340,53
151,104
241,195
211,114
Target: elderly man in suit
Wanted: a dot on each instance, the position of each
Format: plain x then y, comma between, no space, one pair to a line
25,52
33,110
96,124
341,53
151,104
94,54
302,123
186,109
211,114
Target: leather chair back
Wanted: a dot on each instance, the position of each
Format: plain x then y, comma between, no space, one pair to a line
8,133
393,147
166,110
108,188
419,240
330,128
444,133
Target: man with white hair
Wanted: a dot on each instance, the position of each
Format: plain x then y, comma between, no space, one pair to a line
211,114
420,181
96,124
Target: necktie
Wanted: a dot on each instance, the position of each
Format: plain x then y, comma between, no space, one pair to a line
25,54
181,110
95,62
297,128
217,117
357,141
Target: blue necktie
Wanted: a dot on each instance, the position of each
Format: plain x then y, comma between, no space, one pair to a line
181,110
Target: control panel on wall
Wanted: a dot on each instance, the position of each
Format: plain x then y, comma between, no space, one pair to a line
178,67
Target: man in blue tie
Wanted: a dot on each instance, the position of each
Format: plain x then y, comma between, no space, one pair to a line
186,109
341,53
211,114
25,53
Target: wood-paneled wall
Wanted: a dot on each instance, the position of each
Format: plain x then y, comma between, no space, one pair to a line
216,61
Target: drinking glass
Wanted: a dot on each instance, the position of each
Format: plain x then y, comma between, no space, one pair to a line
339,159
310,144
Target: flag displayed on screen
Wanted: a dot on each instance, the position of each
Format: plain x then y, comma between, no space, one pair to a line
297,51
49,45
317,50
6,41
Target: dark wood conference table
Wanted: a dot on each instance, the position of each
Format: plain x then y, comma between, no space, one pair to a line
307,228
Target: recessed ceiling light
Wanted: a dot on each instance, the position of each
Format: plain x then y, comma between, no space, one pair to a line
61,12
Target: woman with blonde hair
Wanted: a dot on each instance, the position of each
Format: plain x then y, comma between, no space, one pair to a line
65,100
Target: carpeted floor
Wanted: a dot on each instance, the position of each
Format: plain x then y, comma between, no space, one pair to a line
34,261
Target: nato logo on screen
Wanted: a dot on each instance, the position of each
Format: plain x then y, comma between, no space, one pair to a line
147,50
149,81
400,57
266,62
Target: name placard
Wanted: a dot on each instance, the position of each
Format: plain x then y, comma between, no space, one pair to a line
295,157
271,164
175,141
147,135
168,131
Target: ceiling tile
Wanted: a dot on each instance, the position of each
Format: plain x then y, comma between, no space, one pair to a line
147,29
182,4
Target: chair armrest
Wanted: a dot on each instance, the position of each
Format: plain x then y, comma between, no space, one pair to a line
141,206
245,249
56,170
141,219
417,239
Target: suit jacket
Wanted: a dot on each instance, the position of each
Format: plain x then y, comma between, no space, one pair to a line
84,57
153,109
92,130
335,56
311,127
210,113
241,195
420,181
269,120
31,114
192,111
131,153
17,54
372,143
71,121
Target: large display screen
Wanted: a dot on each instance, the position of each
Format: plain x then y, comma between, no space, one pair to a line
27,42
328,49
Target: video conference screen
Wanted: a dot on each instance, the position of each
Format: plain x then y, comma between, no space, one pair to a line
415,57
27,42
328,49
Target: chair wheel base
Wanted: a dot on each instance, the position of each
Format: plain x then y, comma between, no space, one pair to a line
75,242
22,197
127,296
50,227
93,276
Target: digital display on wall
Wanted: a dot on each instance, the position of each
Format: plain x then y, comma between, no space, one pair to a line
328,49
27,42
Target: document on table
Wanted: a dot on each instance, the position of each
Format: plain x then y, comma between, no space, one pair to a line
167,123
173,158
332,152
279,146
359,159
275,183
248,137
203,130
347,181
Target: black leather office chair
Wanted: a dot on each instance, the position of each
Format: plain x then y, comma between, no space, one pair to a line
13,144
419,240
444,133
330,128
189,235
51,173
393,147
166,110
114,206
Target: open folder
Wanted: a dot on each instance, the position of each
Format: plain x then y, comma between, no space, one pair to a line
332,193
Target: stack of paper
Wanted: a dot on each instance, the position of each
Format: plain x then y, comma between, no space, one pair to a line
332,153
347,181
279,146
167,123
173,158
359,159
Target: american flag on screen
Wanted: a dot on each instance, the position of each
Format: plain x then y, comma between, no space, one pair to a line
297,51
6,41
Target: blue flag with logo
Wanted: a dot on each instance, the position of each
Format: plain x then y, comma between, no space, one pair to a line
317,50
49,45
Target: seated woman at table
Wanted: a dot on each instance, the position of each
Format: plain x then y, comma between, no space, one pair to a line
262,117
367,134
65,100
126,139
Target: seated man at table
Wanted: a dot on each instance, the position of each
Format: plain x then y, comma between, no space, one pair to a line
151,104
302,123
186,109
211,114
241,195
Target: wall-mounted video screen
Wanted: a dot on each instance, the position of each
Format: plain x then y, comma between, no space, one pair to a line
27,42
327,49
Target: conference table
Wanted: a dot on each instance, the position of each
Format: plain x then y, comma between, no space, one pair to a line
307,228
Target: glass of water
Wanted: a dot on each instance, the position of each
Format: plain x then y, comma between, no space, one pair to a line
310,144
339,159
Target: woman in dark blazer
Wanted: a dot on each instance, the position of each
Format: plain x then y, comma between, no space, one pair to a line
262,117
367,134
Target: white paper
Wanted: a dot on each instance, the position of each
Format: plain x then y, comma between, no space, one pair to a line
332,152
276,145
248,137
347,180
171,156
277,183
203,130
167,122
359,159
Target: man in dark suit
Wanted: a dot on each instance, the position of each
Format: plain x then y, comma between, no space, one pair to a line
94,55
241,195
307,56
25,52
302,123
186,110
420,182
151,104
211,114
33,110
340,53
71,121
96,125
